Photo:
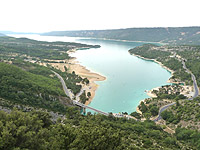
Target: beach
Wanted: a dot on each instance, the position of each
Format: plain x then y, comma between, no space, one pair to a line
73,65
80,70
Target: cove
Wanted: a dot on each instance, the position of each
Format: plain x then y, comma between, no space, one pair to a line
127,76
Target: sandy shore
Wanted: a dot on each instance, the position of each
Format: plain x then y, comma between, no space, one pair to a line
150,94
137,109
73,65
85,73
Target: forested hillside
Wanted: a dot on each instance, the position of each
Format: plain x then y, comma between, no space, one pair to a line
34,130
176,35
37,86
31,89
185,114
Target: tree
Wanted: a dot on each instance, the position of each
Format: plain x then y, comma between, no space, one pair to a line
136,115
170,141
154,110
177,103
147,115
88,94
72,112
65,68
143,107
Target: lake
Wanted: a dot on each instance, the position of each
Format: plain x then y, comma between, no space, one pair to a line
127,76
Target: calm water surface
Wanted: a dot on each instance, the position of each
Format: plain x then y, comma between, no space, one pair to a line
127,76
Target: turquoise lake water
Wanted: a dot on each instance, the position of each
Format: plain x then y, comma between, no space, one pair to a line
127,76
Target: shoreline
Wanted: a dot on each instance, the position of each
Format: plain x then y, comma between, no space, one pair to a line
158,62
149,92
73,65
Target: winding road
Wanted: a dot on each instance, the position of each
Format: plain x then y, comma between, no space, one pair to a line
196,92
71,95
196,89
67,92
162,109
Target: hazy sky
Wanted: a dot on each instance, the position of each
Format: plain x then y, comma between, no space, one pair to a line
55,15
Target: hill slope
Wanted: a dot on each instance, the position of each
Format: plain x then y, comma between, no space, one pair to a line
173,35
20,86
34,130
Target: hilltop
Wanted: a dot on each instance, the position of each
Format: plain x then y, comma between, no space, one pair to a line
171,35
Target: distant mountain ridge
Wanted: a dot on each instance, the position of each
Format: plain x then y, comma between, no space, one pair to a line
171,35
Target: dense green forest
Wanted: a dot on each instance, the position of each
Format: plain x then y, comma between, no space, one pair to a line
184,114
31,89
35,130
192,57
172,35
